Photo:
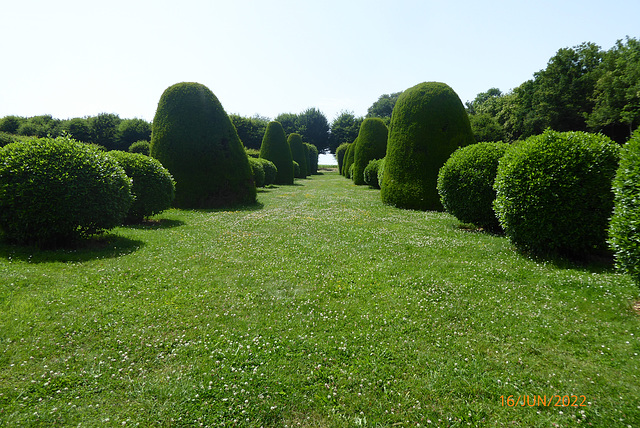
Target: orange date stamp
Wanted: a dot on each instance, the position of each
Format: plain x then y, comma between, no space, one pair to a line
541,400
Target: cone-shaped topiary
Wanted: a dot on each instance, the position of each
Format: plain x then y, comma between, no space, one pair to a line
340,152
371,144
297,153
276,149
313,158
348,159
427,125
195,140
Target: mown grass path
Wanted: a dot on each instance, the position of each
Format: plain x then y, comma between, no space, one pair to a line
318,307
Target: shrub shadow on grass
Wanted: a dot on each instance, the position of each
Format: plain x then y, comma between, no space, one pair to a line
100,247
250,207
163,223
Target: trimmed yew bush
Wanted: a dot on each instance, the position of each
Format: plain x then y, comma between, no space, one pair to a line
270,171
427,125
258,171
381,171
624,230
371,173
53,191
153,187
349,156
298,155
371,144
553,192
340,152
276,149
313,158
465,183
142,147
195,140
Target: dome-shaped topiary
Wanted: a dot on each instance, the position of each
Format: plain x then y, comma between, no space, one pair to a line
553,192
141,147
371,173
153,186
53,191
465,183
257,169
371,144
427,125
270,171
624,230
276,149
297,153
195,140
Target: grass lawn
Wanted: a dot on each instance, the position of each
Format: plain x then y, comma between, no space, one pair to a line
319,307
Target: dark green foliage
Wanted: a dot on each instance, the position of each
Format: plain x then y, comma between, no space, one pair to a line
381,172
131,130
371,173
250,129
104,131
554,192
384,106
428,124
296,169
11,124
195,140
142,147
40,126
270,171
348,159
252,153
297,153
624,230
79,129
276,149
486,127
305,149
257,169
340,153
153,187
371,144
312,152
344,129
53,191
6,138
465,183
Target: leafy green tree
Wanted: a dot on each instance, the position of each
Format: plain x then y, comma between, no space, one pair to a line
40,126
104,130
486,127
195,140
11,124
250,129
344,129
132,130
314,128
79,129
485,103
289,123
617,91
383,107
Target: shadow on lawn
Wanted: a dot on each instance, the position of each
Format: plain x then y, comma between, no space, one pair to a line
100,247
163,223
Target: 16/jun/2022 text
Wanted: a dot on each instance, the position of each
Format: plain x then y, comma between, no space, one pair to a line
541,400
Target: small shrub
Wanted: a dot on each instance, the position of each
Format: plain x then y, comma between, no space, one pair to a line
624,230
53,191
371,173
258,171
153,186
465,183
141,147
270,171
553,192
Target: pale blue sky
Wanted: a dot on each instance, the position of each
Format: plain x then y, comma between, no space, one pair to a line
75,58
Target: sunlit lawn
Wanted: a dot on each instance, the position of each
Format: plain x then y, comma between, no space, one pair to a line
318,307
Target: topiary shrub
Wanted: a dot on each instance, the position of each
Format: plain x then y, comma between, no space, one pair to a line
252,153
427,125
195,140
381,171
553,192
465,183
258,171
142,147
313,158
371,144
276,149
348,159
624,229
297,153
340,152
371,173
53,191
296,168
270,171
153,186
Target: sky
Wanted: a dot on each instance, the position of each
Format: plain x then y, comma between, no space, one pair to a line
80,58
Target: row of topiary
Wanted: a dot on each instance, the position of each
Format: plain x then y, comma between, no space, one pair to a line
53,191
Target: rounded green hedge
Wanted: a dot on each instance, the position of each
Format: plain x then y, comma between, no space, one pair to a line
553,192
275,148
153,187
371,173
257,169
270,171
298,154
427,125
465,183
141,147
53,191
195,140
340,152
624,229
371,144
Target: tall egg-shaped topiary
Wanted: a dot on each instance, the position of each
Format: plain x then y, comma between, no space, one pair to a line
427,125
275,148
348,158
195,140
298,154
371,144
